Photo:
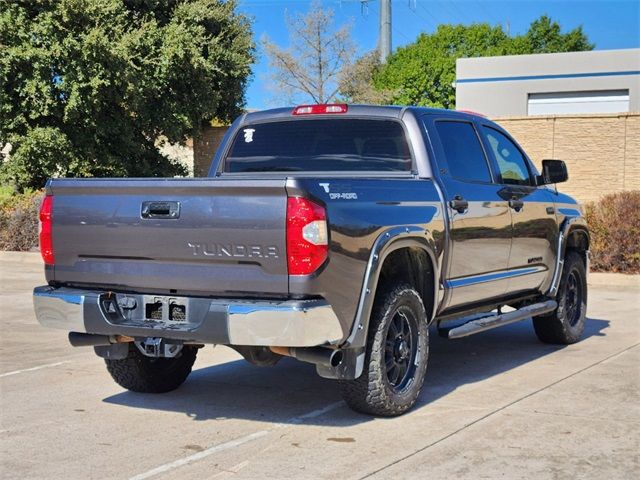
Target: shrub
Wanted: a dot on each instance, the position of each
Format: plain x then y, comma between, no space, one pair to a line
19,221
614,223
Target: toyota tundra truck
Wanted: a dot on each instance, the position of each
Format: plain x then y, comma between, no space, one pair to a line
335,234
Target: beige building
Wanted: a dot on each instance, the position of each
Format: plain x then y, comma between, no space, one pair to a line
601,81
580,107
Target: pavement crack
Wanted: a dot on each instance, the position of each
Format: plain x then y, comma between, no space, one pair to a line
585,417
498,410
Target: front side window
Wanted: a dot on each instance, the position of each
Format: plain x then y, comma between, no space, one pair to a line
512,165
462,149
320,145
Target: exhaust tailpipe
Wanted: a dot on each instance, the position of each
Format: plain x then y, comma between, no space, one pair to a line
316,355
78,339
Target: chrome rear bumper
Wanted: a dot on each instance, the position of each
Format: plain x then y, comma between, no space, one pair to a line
292,323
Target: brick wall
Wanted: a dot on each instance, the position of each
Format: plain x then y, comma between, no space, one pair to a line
204,148
602,152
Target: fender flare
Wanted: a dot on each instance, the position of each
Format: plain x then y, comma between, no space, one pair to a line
387,242
570,225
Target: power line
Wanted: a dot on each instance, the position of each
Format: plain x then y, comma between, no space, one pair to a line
393,28
486,11
436,20
423,19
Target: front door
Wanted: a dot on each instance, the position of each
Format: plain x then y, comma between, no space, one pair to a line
480,219
532,257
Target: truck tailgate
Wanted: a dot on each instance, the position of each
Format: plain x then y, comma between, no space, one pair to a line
198,236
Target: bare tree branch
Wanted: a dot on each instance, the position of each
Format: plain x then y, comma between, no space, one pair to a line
309,68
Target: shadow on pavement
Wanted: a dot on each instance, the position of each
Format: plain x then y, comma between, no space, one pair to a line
280,394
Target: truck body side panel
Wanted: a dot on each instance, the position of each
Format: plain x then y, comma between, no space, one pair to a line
359,210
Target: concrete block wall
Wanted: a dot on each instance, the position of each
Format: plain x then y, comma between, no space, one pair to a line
602,152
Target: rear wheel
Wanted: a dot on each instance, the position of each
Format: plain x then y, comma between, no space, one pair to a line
140,373
396,357
565,325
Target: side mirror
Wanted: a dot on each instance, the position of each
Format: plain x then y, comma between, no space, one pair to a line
553,171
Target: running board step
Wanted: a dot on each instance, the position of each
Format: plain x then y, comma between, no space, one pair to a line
498,320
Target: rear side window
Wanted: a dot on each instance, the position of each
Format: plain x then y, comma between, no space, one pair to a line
463,151
319,145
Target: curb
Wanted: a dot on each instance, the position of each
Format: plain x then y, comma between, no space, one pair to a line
603,279
21,257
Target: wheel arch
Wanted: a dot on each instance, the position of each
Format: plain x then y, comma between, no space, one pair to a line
574,235
409,262
389,251
578,239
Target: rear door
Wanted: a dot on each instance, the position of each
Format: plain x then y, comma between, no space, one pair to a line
532,256
480,220
172,236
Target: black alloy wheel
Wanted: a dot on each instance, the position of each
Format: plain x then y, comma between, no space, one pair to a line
566,323
401,349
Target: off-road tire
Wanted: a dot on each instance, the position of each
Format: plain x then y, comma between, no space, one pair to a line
139,373
565,324
373,393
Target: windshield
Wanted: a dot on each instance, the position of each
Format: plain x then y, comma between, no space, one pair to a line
320,145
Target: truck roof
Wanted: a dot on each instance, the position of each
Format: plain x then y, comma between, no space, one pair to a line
390,111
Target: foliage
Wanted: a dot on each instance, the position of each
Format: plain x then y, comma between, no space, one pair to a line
545,36
356,81
19,221
309,68
88,86
424,72
614,223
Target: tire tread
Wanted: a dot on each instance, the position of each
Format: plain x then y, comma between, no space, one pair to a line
369,393
552,328
138,373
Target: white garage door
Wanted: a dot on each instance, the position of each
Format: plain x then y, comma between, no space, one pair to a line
603,101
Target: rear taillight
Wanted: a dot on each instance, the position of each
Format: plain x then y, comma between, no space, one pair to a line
46,239
307,236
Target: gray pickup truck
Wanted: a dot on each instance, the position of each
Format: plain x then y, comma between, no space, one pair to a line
335,234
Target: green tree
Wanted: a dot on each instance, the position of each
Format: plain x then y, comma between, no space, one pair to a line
355,81
88,87
545,36
423,73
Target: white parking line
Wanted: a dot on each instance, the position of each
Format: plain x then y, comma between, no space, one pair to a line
234,443
33,369
203,454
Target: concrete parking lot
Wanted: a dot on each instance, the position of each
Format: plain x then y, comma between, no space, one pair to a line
496,405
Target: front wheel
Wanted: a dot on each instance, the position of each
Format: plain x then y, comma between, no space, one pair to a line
396,357
566,324
140,373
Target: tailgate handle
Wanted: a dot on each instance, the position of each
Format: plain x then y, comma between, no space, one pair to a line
160,210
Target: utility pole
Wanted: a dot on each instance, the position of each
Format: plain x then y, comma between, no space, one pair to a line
384,45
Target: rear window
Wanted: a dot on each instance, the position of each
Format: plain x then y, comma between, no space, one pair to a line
319,145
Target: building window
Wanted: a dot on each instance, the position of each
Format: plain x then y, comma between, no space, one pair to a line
597,101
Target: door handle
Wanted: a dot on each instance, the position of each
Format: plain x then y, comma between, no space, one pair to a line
459,204
160,210
516,204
